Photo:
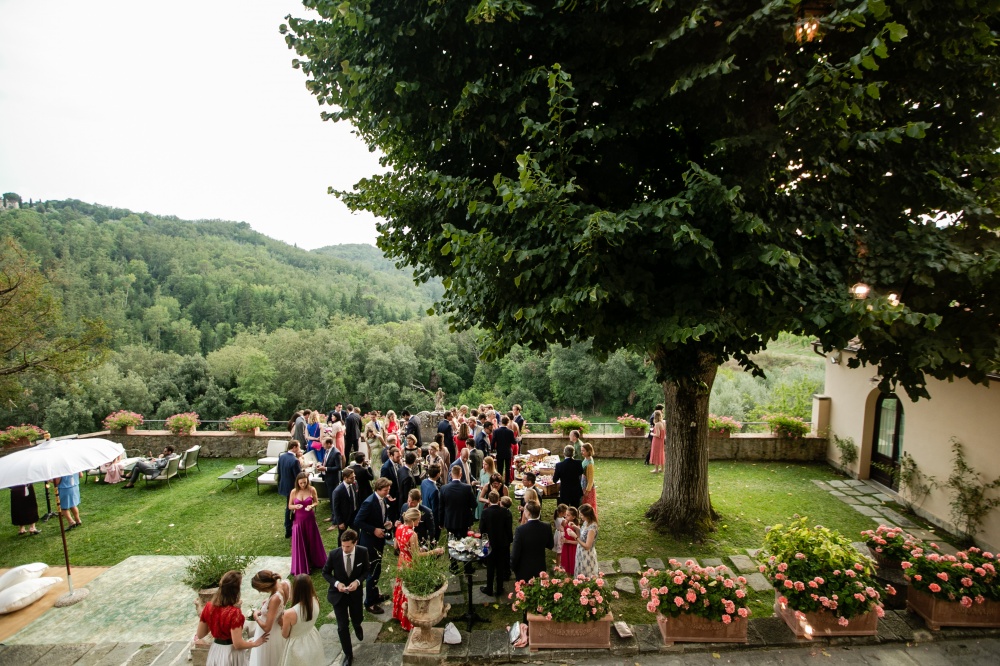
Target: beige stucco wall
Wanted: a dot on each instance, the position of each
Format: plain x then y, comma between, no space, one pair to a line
959,409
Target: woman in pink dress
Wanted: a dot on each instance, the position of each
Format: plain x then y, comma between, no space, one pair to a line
308,552
337,428
659,434
567,558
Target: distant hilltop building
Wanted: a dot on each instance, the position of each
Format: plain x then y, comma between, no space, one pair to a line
11,200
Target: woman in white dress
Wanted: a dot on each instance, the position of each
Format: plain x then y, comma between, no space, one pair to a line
268,618
298,625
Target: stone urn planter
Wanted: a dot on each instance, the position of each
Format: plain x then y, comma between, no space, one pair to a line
634,432
696,629
939,613
808,625
424,612
543,633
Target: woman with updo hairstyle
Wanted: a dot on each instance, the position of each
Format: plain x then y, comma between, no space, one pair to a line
223,618
268,617
409,547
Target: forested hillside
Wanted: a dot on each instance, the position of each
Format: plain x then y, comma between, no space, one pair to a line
190,286
215,318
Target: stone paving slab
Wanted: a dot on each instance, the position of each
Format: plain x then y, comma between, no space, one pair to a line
897,518
882,497
712,562
854,483
454,584
870,500
743,563
629,565
147,654
851,492
822,485
625,585
95,654
331,641
865,510
837,493
868,490
655,563
18,655
836,483
847,499
861,547
753,552
758,582
65,655
119,655
606,566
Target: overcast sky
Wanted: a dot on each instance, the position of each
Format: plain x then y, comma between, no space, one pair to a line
187,108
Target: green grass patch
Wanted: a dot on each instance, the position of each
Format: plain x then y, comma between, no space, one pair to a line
198,513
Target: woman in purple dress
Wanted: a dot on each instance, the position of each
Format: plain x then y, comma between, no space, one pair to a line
308,552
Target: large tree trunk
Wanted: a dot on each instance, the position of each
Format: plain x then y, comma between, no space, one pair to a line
684,507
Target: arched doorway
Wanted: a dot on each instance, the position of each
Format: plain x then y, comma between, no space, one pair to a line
887,440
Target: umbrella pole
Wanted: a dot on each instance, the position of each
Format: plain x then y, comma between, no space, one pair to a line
72,596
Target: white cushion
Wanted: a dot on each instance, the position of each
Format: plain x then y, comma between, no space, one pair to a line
267,461
26,593
21,574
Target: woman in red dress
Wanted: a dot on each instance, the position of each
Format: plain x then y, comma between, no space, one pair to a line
223,618
462,438
409,547
656,457
567,558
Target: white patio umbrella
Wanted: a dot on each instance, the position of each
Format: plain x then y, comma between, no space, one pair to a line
49,460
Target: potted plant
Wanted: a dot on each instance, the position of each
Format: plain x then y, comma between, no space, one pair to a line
823,586
565,612
783,425
960,590
723,426
203,572
562,425
183,424
425,581
633,425
247,423
697,604
20,435
122,422
890,545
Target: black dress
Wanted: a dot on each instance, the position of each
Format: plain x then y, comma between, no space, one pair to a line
23,508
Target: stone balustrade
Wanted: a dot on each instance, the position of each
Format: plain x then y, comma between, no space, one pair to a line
735,447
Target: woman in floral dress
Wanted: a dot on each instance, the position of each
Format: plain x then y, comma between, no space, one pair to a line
586,547
409,547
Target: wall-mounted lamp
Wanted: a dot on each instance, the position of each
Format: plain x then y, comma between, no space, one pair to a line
860,290
835,357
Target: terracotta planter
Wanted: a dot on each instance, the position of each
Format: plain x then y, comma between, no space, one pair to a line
826,624
695,629
719,433
635,432
248,433
204,596
127,430
885,562
544,633
424,612
939,613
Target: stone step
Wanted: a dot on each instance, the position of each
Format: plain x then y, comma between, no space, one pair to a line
629,565
625,585
743,563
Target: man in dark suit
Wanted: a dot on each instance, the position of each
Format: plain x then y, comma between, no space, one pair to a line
444,427
531,540
352,430
568,473
363,476
496,523
429,494
503,442
463,465
390,471
345,505
372,522
427,530
288,469
345,568
332,469
408,476
457,501
412,427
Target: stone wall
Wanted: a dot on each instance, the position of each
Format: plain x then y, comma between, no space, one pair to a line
225,444
737,447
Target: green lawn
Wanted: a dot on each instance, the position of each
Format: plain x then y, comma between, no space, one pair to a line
195,514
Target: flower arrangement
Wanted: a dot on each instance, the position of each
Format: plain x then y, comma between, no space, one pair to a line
122,419
564,424
890,544
24,431
704,591
784,425
246,421
629,421
562,598
183,424
968,576
815,569
723,424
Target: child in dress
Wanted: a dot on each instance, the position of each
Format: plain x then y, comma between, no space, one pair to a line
557,525
570,534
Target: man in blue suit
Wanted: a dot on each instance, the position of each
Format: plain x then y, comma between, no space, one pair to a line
372,522
288,469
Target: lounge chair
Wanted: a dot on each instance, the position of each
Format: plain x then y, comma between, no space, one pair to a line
189,460
275,448
167,473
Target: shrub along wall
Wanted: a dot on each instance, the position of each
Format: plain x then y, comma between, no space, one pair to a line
213,444
736,447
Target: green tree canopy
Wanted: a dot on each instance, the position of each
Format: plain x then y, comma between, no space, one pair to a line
684,178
